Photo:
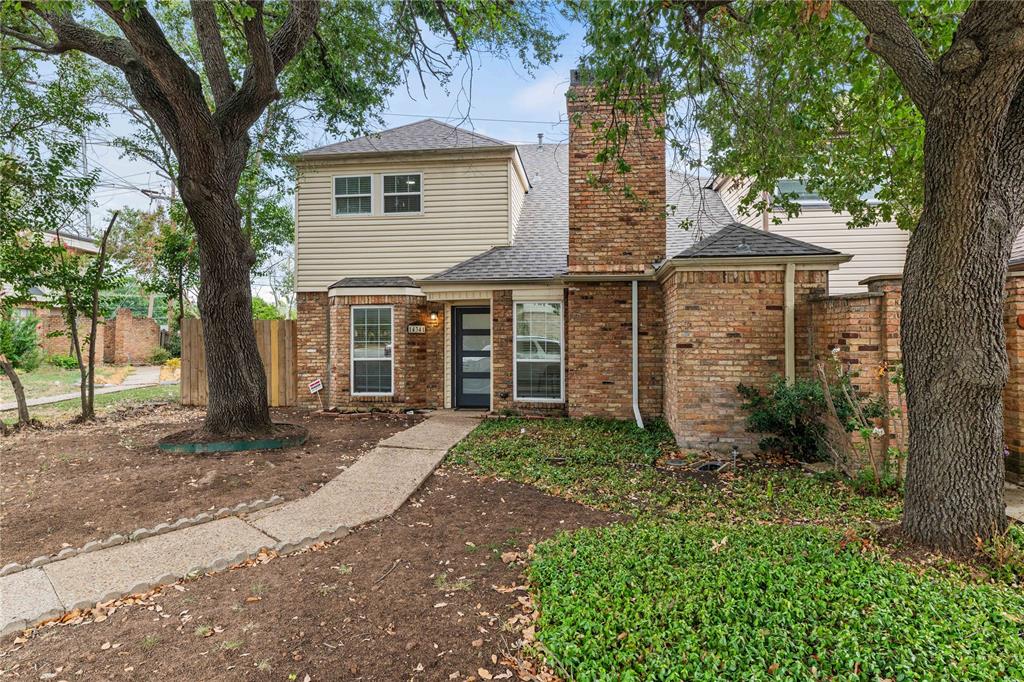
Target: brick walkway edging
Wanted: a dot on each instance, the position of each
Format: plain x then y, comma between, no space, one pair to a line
374,486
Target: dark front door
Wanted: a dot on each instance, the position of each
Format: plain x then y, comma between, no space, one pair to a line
471,344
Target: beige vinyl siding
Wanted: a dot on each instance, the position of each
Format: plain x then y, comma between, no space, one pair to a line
876,250
516,197
732,192
465,211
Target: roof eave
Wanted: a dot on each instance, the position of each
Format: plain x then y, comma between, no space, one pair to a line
825,261
306,157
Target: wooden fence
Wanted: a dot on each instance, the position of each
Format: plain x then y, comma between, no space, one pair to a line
276,342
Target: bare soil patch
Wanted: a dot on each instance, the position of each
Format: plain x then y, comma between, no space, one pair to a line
370,607
67,486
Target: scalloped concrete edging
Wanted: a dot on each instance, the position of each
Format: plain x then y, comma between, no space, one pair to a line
375,486
142,533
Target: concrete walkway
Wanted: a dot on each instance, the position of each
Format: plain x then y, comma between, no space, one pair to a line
148,375
375,486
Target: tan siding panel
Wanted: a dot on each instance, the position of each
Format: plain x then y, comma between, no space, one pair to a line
876,250
466,211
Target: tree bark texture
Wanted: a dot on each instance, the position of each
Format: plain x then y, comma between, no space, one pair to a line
19,390
953,340
235,376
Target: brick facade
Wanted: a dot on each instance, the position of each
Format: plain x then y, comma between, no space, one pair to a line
599,371
609,231
724,328
418,359
312,332
130,340
865,328
1013,395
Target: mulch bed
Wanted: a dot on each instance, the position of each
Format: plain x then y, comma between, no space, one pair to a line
370,607
66,486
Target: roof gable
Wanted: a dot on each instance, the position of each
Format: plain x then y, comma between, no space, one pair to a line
425,135
740,241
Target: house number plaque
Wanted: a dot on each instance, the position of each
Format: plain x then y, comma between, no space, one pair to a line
417,329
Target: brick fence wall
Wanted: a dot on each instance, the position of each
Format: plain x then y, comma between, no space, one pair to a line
312,330
864,331
130,340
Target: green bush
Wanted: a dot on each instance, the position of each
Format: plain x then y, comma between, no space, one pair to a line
685,602
159,356
63,361
20,342
791,415
261,310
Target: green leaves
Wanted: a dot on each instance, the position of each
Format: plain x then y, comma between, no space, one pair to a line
769,91
767,602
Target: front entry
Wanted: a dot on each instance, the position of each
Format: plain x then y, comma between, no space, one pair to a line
471,347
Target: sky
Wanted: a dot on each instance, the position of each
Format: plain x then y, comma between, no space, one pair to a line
507,103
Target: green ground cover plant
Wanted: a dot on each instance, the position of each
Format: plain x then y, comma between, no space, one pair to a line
681,601
610,464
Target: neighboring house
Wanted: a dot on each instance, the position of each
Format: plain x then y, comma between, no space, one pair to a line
879,249
436,267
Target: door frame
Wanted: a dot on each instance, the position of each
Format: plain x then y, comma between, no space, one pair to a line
456,312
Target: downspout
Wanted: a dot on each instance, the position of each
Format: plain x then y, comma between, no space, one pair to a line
636,360
790,322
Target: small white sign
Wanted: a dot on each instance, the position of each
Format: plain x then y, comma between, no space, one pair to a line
315,386
417,329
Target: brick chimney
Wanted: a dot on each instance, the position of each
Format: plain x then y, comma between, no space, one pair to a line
610,232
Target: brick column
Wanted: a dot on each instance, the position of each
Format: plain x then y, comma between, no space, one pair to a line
1013,395
891,288
312,328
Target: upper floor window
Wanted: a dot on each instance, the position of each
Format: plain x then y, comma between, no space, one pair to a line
353,195
805,197
402,193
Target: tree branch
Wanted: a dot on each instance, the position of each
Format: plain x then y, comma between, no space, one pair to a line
211,45
891,38
269,57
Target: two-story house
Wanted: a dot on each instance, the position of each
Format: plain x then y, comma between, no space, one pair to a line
437,267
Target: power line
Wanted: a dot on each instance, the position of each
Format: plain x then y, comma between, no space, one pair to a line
475,118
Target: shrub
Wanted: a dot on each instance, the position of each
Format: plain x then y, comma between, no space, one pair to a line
174,345
63,361
1006,554
159,356
173,363
685,602
261,310
791,415
20,342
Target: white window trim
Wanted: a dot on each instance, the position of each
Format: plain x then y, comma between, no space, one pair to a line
352,350
383,194
561,354
335,195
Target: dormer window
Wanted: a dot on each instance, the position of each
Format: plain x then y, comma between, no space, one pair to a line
353,195
402,193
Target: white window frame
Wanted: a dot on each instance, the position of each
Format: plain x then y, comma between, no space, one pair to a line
352,350
335,195
561,354
384,195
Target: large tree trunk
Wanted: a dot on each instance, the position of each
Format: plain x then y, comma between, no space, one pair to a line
953,340
237,389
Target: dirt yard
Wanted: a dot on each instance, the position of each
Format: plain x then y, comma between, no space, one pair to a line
423,595
68,485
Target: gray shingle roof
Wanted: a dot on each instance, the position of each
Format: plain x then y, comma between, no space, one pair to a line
373,282
425,135
542,237
738,240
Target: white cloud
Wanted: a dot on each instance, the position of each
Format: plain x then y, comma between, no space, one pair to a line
544,97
